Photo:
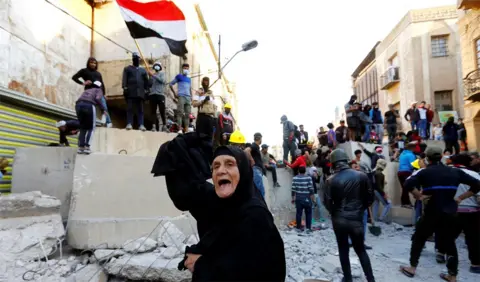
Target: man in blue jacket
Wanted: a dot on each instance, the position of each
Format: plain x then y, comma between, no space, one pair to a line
405,170
377,119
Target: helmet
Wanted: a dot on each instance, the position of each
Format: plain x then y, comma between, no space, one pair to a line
309,144
338,155
191,116
227,106
237,138
415,164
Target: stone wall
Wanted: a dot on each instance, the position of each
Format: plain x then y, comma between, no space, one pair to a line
43,48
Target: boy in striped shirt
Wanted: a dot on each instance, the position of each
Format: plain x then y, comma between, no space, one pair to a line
303,197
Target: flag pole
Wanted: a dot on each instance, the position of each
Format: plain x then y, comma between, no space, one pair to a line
141,55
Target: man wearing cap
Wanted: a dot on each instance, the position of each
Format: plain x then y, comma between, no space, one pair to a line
374,156
440,183
226,124
391,122
253,152
157,96
66,128
288,138
269,163
348,194
184,96
135,87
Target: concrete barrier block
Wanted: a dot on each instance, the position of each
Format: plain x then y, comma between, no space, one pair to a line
45,169
115,198
129,142
403,216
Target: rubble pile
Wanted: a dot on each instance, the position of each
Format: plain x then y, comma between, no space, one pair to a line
315,256
31,233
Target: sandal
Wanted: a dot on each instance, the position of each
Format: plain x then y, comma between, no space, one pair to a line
405,272
446,277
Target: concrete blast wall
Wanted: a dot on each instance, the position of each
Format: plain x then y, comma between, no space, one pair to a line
129,142
45,169
115,198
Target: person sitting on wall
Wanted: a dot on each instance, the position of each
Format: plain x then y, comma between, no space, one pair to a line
66,128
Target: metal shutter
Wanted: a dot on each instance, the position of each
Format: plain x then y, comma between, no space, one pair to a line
24,127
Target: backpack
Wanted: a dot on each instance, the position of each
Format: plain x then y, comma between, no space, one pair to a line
339,135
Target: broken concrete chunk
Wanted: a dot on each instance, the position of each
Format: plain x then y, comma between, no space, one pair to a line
90,273
28,204
139,245
102,255
148,266
172,252
170,236
23,237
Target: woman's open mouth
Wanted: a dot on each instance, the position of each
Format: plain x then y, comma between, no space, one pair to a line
224,183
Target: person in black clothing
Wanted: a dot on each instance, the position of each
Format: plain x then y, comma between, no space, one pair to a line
412,116
135,84
238,238
253,152
390,122
303,138
439,183
66,128
450,135
89,75
374,156
348,194
462,131
341,133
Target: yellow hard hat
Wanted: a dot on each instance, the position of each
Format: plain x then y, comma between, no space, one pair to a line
237,138
227,106
416,164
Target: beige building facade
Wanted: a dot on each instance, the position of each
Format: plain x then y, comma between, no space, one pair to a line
364,79
420,61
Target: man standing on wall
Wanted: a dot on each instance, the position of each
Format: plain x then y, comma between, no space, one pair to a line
412,116
352,120
135,85
376,117
184,96
430,115
391,122
225,124
288,136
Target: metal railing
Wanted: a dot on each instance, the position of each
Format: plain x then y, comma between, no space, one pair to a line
390,77
471,84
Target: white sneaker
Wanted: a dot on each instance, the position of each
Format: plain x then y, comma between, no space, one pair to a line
87,151
142,128
129,127
109,125
154,130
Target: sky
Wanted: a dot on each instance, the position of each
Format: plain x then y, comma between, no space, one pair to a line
307,51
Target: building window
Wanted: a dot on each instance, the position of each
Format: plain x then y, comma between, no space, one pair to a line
440,46
478,53
443,100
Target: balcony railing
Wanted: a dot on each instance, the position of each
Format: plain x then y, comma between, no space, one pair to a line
468,4
390,78
471,86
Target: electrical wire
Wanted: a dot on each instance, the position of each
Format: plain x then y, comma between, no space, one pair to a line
91,28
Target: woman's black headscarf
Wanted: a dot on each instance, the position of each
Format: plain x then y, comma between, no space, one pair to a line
245,189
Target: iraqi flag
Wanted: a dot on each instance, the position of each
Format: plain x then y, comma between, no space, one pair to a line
159,18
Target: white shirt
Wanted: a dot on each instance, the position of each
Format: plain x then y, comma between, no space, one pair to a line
438,131
423,113
201,98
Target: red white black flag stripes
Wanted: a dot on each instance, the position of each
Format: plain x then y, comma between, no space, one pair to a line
159,18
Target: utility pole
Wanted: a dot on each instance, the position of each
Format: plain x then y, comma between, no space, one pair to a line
219,56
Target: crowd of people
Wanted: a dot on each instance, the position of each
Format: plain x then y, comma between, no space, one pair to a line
140,85
326,182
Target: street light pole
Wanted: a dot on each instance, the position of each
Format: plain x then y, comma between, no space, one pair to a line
245,47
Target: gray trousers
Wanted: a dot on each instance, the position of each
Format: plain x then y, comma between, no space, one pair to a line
288,147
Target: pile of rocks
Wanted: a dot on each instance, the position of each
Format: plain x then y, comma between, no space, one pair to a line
31,233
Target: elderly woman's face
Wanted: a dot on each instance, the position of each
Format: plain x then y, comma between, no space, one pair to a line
225,175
